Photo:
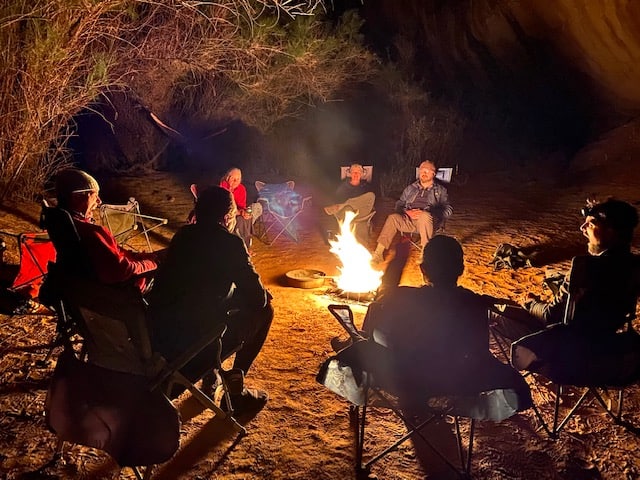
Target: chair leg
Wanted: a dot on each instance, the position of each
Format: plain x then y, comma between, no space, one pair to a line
208,402
568,416
465,458
615,414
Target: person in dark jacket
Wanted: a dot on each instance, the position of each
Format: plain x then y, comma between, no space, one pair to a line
608,227
206,278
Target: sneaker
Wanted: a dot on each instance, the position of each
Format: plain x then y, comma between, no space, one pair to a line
248,403
234,381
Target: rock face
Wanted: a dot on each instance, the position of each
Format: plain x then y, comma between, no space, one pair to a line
554,61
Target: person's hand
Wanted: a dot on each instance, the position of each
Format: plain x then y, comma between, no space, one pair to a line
529,299
414,213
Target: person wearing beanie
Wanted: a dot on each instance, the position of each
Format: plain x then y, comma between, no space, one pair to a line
207,277
608,227
79,193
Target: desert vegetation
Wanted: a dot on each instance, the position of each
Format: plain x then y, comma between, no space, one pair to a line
255,60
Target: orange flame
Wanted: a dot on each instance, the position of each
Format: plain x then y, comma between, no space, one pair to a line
356,274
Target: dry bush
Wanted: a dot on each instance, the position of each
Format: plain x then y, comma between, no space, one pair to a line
61,56
281,69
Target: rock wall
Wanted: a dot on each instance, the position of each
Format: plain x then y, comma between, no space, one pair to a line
536,56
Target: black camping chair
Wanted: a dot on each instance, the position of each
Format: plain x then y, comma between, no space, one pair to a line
363,374
574,355
112,326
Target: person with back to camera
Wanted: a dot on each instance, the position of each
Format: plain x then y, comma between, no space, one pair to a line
208,277
422,205
78,193
441,325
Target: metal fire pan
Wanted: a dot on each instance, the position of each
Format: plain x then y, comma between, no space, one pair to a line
305,278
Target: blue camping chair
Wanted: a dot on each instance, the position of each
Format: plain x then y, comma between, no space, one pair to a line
281,206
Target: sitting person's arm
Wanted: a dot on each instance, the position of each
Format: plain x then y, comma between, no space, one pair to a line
548,312
112,263
249,288
401,203
442,208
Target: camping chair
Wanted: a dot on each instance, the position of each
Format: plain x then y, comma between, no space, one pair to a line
363,374
71,289
36,251
126,222
444,174
112,323
600,288
281,206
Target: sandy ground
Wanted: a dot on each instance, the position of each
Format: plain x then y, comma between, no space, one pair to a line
304,432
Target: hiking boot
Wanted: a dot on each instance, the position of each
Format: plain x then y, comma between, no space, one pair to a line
247,403
234,381
338,344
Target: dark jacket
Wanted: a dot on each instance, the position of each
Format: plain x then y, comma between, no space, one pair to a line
206,273
433,199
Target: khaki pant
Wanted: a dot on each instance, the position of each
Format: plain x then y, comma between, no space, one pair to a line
400,222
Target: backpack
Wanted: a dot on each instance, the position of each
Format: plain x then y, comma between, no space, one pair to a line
509,256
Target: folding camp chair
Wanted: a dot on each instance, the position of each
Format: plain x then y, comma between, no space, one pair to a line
281,206
600,288
36,251
444,174
113,326
414,237
363,374
126,222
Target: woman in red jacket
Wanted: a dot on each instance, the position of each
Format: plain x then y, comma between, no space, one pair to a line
247,214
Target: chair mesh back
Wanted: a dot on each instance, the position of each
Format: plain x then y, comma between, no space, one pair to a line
70,253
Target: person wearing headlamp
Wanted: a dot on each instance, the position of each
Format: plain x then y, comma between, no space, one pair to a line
609,228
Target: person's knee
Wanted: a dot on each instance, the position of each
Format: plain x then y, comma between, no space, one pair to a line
395,219
425,218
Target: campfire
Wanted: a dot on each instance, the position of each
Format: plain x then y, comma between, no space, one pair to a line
357,278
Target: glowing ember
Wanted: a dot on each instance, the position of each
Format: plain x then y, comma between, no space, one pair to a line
356,274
